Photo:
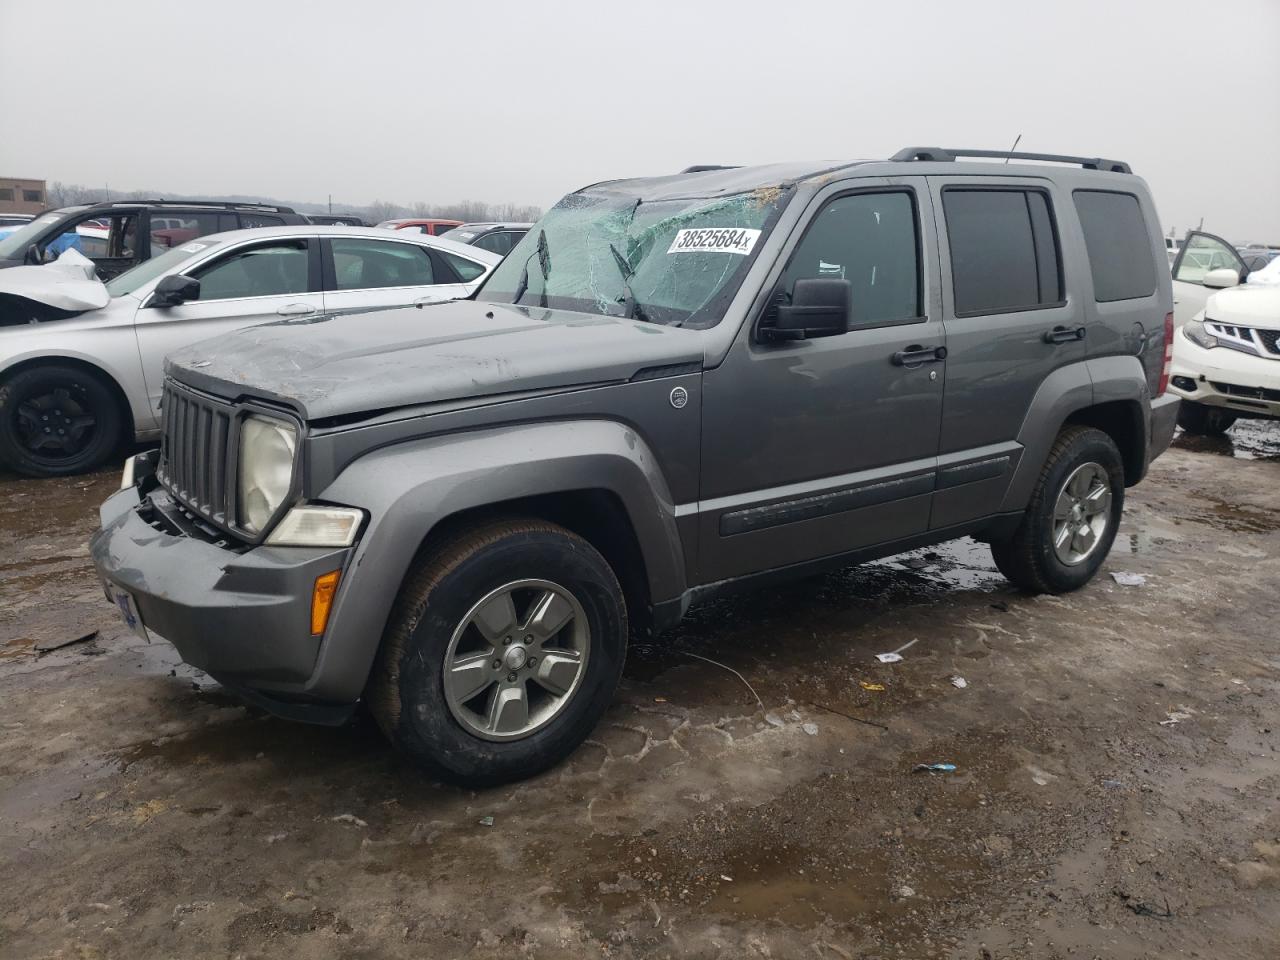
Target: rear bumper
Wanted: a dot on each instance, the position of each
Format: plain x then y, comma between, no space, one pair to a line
242,617
1164,419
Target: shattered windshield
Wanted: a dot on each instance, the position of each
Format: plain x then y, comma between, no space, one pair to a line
14,245
673,262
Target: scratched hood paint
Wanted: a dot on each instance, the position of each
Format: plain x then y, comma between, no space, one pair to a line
352,363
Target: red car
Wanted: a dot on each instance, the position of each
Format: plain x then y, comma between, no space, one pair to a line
432,227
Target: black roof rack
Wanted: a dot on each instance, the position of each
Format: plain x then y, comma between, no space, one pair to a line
211,204
704,167
948,154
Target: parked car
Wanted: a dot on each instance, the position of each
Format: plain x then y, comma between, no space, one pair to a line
431,227
498,238
671,387
1204,263
1226,362
335,219
12,220
77,381
118,236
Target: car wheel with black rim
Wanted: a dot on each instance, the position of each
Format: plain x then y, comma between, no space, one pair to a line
502,653
1201,420
57,420
1071,521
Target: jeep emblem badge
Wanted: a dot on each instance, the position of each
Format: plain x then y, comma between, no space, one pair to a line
679,397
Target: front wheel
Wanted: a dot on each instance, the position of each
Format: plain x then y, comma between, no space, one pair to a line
1201,420
502,653
1071,521
57,420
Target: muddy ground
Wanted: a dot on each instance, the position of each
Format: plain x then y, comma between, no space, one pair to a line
1116,792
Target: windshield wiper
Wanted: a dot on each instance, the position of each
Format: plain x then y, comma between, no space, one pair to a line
631,307
544,264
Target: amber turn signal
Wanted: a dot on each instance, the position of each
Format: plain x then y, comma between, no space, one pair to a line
322,601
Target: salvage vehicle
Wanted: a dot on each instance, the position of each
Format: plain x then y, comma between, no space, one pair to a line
497,238
119,235
81,366
672,387
434,227
1226,361
1204,263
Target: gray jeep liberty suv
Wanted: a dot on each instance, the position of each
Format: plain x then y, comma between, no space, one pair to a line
671,386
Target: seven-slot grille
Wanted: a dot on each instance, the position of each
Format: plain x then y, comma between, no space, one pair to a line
194,453
1262,342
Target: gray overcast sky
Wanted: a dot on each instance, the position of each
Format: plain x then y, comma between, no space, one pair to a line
517,101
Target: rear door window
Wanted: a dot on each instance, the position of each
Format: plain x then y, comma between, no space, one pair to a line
1004,250
1115,234
171,230
248,220
369,264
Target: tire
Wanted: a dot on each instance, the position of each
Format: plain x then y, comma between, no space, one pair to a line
435,622
1198,419
1030,559
37,402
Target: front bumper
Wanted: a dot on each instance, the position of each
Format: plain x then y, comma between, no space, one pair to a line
242,617
1221,377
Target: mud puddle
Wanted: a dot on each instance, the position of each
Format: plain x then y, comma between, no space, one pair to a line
1246,440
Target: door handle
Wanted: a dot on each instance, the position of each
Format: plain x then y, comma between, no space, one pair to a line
296,310
1062,334
915,355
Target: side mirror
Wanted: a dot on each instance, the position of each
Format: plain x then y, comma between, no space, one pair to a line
32,256
175,289
1221,278
819,307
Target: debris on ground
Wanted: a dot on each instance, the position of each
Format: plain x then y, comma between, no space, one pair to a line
896,655
959,682
48,646
1113,784
717,663
774,720
810,728
1176,716
905,891
350,818
1126,579
934,768
873,687
485,821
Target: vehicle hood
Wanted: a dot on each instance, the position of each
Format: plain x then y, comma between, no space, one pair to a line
337,365
1257,306
69,283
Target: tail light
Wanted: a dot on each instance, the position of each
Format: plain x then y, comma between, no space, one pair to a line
1168,356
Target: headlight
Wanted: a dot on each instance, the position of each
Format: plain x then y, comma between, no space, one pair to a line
126,476
1194,331
266,459
316,527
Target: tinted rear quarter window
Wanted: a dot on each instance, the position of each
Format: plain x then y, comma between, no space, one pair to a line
1004,250
1115,234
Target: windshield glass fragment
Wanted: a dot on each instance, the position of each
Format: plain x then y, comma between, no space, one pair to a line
673,262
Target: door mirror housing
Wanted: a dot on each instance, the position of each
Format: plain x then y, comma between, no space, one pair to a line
819,307
32,257
1221,278
175,289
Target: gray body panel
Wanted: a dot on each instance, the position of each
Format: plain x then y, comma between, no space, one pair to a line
786,455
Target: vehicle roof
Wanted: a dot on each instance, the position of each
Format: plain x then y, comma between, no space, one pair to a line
367,233
411,220
495,225
710,181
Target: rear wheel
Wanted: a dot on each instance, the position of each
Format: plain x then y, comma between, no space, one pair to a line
57,420
502,653
1071,521
1201,420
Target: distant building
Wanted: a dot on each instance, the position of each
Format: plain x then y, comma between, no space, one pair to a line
21,196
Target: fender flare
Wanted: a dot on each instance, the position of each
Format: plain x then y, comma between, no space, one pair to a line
1067,391
409,488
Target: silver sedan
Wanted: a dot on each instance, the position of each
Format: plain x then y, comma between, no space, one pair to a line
75,384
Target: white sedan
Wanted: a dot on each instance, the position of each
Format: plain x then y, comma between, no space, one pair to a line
78,377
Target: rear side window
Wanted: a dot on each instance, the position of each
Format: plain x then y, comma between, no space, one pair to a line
248,220
467,270
369,264
1004,250
1115,235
